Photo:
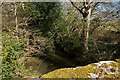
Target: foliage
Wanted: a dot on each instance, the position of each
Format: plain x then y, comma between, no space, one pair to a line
11,52
64,33
53,31
43,16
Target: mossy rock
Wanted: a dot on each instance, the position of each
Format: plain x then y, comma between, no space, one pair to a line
114,64
79,72
105,65
118,60
84,71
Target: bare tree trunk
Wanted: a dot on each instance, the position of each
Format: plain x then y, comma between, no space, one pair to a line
16,19
85,34
84,37
86,11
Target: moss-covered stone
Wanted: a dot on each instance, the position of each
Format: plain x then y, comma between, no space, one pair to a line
118,60
105,65
104,71
114,64
81,72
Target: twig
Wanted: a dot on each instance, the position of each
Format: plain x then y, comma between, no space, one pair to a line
75,6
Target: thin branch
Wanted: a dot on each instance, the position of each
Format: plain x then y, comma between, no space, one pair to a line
107,14
96,4
74,5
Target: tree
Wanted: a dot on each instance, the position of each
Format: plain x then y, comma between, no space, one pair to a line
16,18
86,11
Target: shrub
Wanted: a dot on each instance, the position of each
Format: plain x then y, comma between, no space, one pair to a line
11,52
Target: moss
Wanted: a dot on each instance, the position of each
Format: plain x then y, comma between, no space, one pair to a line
118,60
113,70
114,64
60,73
97,70
94,65
116,76
105,65
82,72
110,76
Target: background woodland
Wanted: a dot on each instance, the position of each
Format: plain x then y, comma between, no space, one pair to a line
54,33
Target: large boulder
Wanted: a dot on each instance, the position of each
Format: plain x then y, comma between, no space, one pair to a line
102,69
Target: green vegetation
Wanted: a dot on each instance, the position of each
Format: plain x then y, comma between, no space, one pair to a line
11,52
40,37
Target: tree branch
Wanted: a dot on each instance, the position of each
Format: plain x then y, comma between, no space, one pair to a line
96,4
74,5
